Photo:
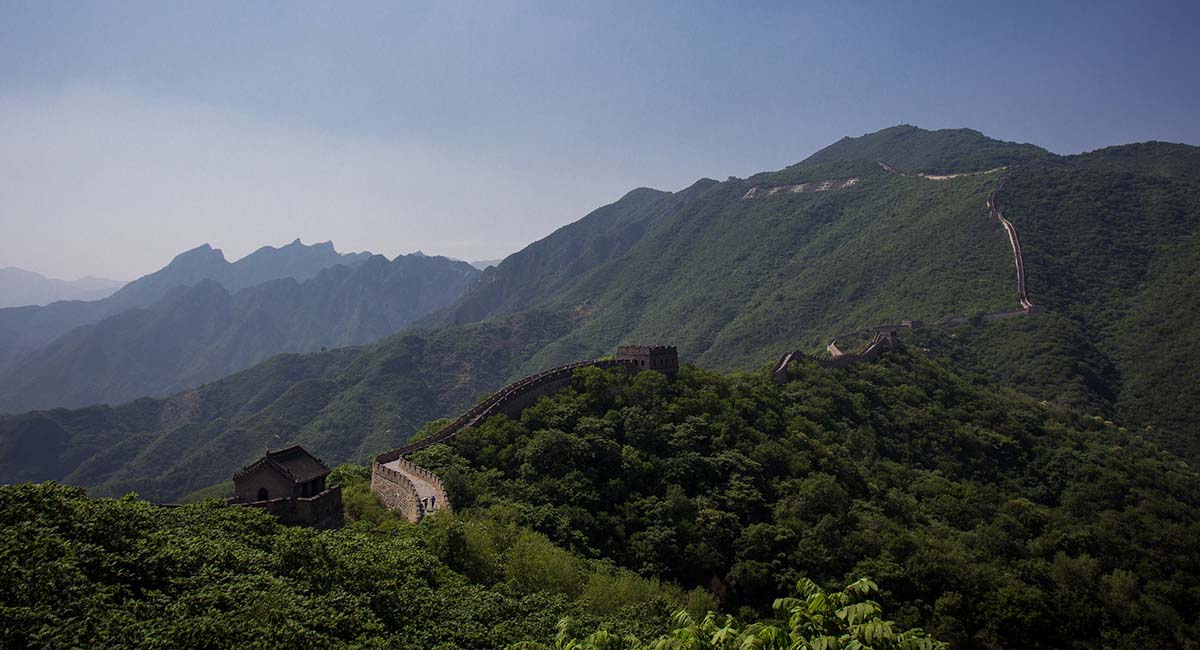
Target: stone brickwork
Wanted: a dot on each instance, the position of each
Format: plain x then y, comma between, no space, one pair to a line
323,510
663,358
396,491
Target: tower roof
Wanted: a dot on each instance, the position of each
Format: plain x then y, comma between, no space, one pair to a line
294,462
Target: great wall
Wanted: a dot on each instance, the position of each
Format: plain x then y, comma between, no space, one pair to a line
416,492
883,335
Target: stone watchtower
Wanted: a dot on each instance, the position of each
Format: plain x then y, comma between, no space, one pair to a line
290,484
662,358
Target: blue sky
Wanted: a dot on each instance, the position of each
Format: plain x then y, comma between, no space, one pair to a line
131,131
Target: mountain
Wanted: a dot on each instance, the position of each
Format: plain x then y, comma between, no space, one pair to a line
202,332
743,269
19,287
543,268
735,273
1111,243
25,329
294,260
915,150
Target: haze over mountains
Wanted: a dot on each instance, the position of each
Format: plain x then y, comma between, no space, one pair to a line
19,287
25,329
201,317
734,273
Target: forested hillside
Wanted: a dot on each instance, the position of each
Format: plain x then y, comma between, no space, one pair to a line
991,519
343,404
732,280
1110,238
945,151
987,518
203,332
1111,243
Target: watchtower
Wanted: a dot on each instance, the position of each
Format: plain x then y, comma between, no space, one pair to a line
663,358
290,484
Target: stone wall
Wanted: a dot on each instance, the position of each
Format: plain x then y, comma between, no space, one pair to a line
396,492
323,510
246,486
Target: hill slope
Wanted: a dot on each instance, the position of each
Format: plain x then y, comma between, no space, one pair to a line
750,267
732,272
1111,243
915,150
988,518
203,332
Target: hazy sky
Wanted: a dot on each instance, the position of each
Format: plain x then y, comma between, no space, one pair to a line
131,131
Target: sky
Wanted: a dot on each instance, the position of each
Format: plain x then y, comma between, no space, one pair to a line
131,131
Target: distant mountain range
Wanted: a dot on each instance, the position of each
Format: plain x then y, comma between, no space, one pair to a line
202,332
201,318
885,227
19,288
26,329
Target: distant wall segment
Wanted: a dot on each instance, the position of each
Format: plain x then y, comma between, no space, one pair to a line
886,334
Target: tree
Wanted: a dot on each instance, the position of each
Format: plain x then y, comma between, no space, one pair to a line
816,620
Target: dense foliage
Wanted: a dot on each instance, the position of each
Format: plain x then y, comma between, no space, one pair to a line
1111,242
988,518
104,573
815,621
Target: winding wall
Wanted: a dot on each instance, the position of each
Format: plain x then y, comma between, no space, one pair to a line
839,359
415,491
1014,242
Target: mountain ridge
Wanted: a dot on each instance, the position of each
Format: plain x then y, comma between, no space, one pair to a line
202,332
25,329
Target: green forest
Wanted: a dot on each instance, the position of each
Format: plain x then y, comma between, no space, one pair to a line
621,511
